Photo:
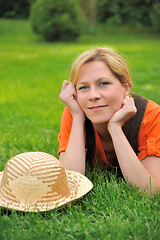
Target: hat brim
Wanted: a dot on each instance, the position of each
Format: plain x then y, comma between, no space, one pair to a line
82,185
1,174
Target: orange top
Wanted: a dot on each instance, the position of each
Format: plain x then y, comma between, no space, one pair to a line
148,139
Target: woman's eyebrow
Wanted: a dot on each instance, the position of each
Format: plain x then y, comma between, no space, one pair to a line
82,83
97,80
103,78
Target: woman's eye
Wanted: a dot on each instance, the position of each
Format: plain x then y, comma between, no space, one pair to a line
82,88
103,83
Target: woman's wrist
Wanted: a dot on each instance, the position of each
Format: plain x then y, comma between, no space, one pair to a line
114,128
78,118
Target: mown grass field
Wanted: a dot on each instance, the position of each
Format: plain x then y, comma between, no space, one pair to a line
31,75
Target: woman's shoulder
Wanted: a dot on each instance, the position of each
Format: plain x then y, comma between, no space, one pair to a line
66,114
152,111
151,105
149,138
152,114
66,119
146,107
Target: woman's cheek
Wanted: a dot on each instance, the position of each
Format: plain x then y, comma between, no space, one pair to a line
80,99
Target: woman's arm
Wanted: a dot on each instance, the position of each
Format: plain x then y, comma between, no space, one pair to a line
145,174
74,156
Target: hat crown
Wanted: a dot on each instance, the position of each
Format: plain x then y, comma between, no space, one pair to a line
34,178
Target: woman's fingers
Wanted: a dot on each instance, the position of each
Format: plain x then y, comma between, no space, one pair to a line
65,84
129,105
127,111
68,97
67,91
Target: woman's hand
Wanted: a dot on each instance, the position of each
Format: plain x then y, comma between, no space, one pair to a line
127,111
68,96
73,158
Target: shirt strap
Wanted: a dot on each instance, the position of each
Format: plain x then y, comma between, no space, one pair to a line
132,126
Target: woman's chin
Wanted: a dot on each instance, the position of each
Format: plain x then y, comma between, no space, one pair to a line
99,120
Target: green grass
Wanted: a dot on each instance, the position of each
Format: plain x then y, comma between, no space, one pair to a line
31,75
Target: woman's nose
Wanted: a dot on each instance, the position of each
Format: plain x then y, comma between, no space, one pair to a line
94,94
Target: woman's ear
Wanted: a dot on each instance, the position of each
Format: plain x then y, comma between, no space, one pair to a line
127,89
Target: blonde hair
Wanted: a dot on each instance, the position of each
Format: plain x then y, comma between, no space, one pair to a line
113,60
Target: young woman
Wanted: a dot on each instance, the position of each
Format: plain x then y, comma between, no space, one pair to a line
103,124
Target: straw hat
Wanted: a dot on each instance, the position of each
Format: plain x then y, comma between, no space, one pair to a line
36,181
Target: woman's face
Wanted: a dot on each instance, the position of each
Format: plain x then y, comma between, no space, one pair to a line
99,92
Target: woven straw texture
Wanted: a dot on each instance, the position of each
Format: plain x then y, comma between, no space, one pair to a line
36,181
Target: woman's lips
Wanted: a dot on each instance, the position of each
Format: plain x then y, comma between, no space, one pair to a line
97,108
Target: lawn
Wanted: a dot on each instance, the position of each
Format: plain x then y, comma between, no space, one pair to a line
31,75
